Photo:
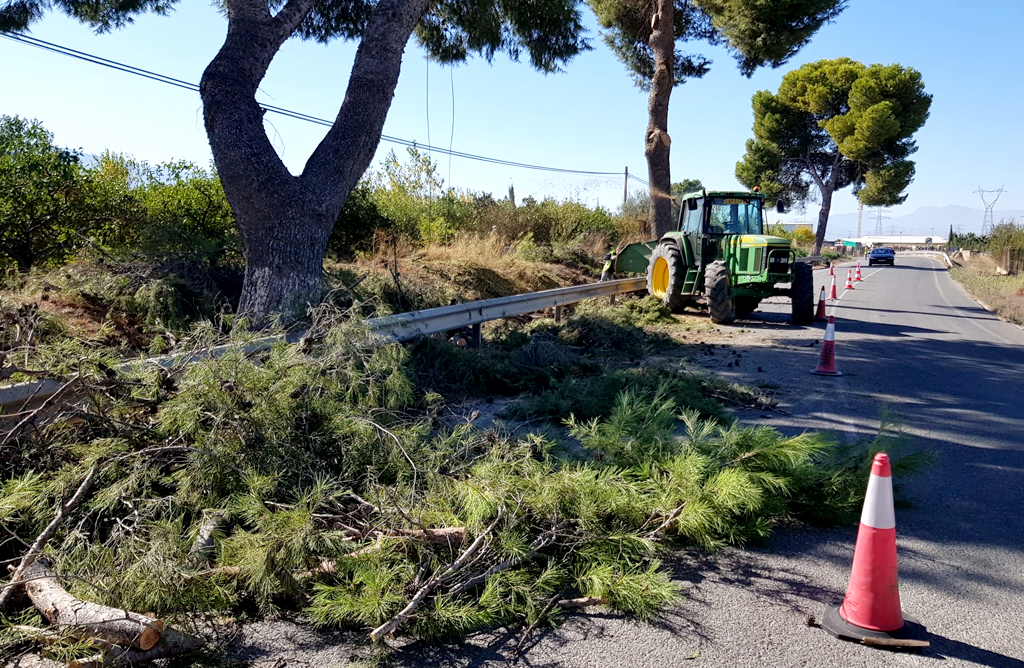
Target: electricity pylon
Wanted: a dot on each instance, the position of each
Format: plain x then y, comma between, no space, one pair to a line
988,224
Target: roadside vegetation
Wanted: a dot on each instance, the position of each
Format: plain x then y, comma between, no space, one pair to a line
321,479
334,480
124,251
980,274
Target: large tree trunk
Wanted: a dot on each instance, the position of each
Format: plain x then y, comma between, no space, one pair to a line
285,220
826,206
826,186
656,146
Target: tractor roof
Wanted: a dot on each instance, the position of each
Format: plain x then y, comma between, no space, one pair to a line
723,193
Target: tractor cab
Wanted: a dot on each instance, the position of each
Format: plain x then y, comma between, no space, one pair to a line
718,254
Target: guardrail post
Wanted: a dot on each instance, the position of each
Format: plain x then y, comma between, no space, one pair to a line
558,314
476,336
611,300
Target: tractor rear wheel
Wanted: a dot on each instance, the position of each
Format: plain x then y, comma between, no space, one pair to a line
721,305
665,276
802,293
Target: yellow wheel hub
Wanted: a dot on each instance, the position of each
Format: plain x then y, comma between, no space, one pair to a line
659,277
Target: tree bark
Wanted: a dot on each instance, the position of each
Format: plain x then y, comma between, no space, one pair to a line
285,221
826,206
827,188
657,141
90,620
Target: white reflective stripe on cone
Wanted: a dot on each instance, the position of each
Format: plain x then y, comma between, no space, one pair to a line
830,332
878,510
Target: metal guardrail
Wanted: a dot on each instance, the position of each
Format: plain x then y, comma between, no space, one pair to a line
945,258
398,327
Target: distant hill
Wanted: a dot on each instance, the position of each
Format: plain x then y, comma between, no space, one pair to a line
926,220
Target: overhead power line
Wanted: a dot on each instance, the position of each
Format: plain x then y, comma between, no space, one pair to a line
163,78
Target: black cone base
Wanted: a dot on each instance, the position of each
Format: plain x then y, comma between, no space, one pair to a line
840,628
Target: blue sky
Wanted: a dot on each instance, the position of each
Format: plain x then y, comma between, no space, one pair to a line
589,117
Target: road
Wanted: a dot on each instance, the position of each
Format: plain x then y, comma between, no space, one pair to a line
910,342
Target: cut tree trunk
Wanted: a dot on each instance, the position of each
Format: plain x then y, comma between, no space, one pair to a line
657,141
89,620
172,643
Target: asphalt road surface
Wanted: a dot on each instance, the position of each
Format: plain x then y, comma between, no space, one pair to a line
912,343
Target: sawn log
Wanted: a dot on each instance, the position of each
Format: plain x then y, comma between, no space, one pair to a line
90,620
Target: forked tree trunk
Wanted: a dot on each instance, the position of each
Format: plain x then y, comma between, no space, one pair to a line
285,220
656,145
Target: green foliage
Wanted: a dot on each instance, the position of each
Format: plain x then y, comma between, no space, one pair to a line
756,33
833,124
545,357
1007,234
41,195
969,241
321,462
589,396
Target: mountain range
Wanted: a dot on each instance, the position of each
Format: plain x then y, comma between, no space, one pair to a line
926,220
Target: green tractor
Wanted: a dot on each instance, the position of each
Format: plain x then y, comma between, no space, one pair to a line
719,252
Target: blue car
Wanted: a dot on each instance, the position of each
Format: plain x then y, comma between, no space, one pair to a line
882,256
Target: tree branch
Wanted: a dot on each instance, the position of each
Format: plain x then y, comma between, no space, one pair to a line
51,528
395,622
291,15
348,147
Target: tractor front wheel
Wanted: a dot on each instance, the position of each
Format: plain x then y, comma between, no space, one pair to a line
665,276
716,290
802,293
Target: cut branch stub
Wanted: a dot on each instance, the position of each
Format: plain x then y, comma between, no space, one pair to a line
171,644
89,620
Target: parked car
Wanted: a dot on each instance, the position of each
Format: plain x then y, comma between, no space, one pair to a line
882,256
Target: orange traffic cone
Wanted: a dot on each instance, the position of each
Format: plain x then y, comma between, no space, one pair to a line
819,315
827,359
832,292
831,268
856,275
849,280
871,608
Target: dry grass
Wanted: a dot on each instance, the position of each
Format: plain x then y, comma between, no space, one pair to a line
1005,294
469,268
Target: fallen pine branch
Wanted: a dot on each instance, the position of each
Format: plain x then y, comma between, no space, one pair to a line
43,538
540,542
669,521
86,619
48,637
433,583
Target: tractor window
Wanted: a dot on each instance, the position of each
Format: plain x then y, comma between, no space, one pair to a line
734,215
693,217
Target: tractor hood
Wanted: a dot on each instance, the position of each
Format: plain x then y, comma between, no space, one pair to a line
754,240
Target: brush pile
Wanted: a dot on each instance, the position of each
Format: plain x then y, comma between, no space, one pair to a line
318,477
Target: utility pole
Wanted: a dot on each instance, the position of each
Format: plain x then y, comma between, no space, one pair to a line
860,216
988,224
